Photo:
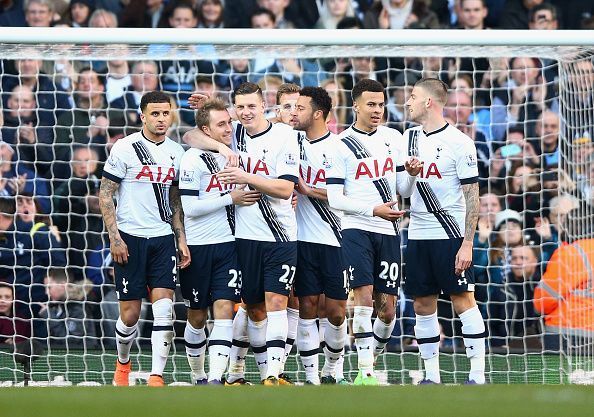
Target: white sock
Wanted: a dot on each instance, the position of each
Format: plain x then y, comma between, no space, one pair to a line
427,335
257,335
339,372
124,337
293,321
219,346
473,331
162,334
363,330
239,346
195,350
308,343
382,333
276,337
323,323
334,347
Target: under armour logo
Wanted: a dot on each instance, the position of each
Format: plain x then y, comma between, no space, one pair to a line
363,347
125,284
276,359
174,278
237,291
262,363
470,347
439,149
195,294
222,354
309,366
122,342
240,358
391,284
462,281
165,344
288,286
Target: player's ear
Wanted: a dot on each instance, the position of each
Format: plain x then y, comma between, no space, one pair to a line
206,130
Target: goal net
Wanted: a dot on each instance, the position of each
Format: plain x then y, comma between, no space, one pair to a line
527,104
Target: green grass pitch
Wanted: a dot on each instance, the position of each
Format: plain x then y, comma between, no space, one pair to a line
327,401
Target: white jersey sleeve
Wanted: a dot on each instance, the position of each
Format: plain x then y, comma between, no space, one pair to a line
116,167
466,161
287,165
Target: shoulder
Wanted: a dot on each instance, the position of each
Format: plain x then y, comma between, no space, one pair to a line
192,155
458,139
125,143
388,132
174,146
284,129
412,131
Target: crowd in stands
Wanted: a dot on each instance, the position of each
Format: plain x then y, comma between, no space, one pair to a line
60,119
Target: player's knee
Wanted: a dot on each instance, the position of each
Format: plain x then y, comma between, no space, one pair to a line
276,302
222,310
197,318
256,312
425,306
387,315
308,307
335,312
463,301
130,316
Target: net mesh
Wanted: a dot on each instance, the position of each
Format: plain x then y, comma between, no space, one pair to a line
529,110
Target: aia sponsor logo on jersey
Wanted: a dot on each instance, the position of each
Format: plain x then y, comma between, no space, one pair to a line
311,177
432,171
373,169
255,166
214,184
154,173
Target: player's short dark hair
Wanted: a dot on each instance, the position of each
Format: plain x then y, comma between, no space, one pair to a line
367,84
543,6
436,88
4,284
200,78
245,89
203,115
320,99
349,22
154,97
7,206
100,76
286,88
261,10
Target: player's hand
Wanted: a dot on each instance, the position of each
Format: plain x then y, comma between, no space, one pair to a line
232,157
196,100
413,166
294,199
463,257
302,187
233,175
119,250
386,212
484,229
243,197
183,254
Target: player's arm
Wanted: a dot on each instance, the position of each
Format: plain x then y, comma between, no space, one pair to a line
274,187
177,224
304,189
118,248
198,139
464,256
406,176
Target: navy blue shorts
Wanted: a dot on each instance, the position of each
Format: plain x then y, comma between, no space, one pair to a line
266,267
152,263
321,270
212,275
372,259
430,268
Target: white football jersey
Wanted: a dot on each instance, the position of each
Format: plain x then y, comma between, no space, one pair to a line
367,164
145,170
197,179
438,208
273,153
316,221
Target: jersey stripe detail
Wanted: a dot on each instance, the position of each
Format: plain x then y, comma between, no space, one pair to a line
146,158
112,177
269,215
328,216
400,168
470,180
413,143
356,147
183,191
446,220
383,188
212,165
240,138
333,181
291,178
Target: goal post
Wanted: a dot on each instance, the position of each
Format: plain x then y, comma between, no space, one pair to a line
512,86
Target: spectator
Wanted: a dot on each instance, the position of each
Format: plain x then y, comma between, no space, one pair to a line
28,211
277,7
337,118
80,12
142,14
21,128
102,18
547,132
237,74
563,296
349,23
582,160
399,14
52,100
524,192
117,79
515,14
210,14
13,14
69,324
543,17
86,125
580,86
300,13
269,86
333,11
144,77
39,13
13,328
262,19
26,254
473,14
549,227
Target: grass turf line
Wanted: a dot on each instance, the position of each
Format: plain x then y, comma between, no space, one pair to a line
327,401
